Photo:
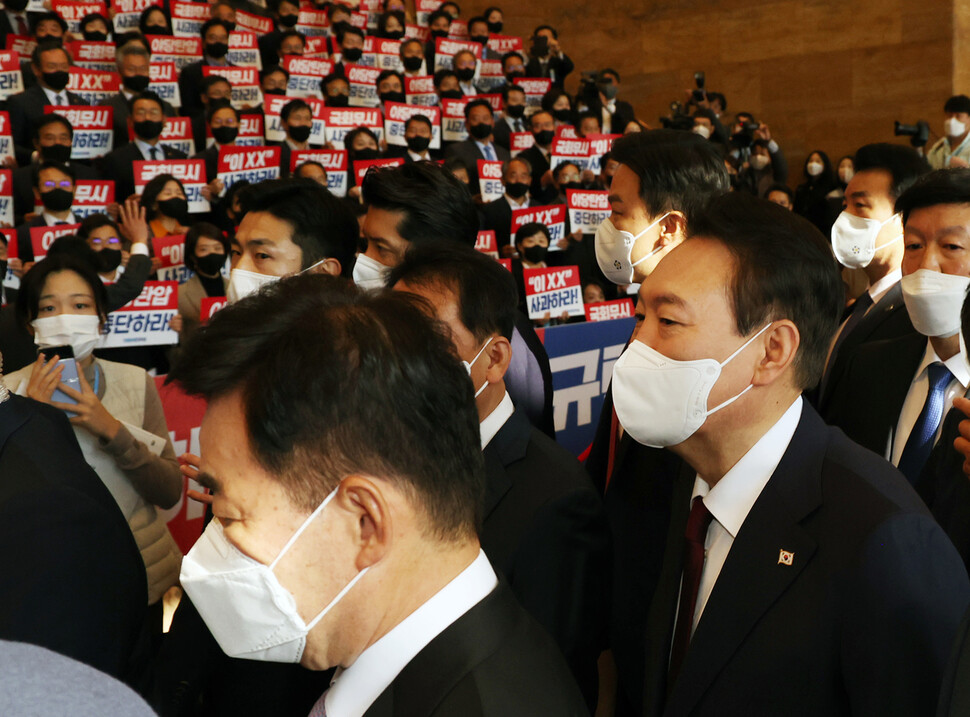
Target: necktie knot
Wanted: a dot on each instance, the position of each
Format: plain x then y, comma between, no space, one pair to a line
939,376
923,436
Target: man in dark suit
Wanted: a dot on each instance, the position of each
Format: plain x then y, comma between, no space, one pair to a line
614,114
215,46
50,64
14,20
883,173
513,116
544,527
800,574
73,580
480,123
54,191
404,599
543,128
546,58
417,133
146,120
497,214
133,62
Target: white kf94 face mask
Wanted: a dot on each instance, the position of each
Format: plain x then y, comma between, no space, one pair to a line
854,239
614,249
250,614
242,283
369,273
660,401
934,301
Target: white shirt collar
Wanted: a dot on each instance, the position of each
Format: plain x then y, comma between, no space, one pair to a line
881,287
731,498
524,204
418,157
483,145
496,419
51,95
146,149
468,88
50,220
956,363
357,687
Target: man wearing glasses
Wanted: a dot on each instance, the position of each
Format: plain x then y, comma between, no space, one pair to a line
54,190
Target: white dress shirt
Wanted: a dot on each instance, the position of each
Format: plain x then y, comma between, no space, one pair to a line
146,150
481,148
50,220
916,397
732,497
468,88
496,419
516,204
52,97
355,689
415,157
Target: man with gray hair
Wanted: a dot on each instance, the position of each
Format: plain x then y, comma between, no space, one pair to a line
133,62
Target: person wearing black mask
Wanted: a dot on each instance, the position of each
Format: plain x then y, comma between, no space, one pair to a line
95,27
222,119
417,134
351,46
273,80
14,20
494,17
559,104
543,128
154,21
104,238
215,47
50,64
166,206
497,215
133,63
146,120
446,84
296,120
532,246
439,24
390,25
336,90
480,123
466,64
206,253
412,58
286,14
513,115
513,66
54,191
224,10
478,32
547,58
390,87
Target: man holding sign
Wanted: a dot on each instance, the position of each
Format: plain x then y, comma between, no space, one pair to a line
134,63
497,215
55,191
480,123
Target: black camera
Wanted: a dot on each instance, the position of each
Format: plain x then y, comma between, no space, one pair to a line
678,118
744,137
699,95
919,133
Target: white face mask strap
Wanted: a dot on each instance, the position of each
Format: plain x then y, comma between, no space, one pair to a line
299,532
726,361
480,352
655,249
312,266
337,599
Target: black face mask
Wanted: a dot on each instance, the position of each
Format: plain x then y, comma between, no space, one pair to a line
57,200
571,185
175,208
225,135
438,33
495,27
544,137
515,111
108,260
216,49
480,131
535,254
340,100
148,129
393,34
274,91
50,38
366,153
466,74
157,30
210,264
562,115
136,83
232,26
56,153
451,94
392,97
418,144
300,133
288,20
516,190
57,81
15,5
95,36
352,54
412,64
480,39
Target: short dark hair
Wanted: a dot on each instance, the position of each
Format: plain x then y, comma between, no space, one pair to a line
292,33
52,118
550,28
57,166
146,95
478,103
527,230
32,284
677,170
409,41
418,118
486,292
506,89
48,46
331,78
292,106
706,114
148,12
389,73
95,221
349,30
272,69
149,194
550,97
215,106
601,75
957,103
536,114
213,22
436,206
198,231
211,80
92,17
35,23
476,19
783,270
439,13
323,227
323,368
308,163
712,96
441,75
779,187
509,55
903,164
942,186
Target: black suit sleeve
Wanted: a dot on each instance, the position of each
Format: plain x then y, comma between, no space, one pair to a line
130,284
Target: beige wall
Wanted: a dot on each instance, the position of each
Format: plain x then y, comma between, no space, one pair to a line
822,74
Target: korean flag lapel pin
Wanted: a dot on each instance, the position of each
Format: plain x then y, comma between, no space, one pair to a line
786,557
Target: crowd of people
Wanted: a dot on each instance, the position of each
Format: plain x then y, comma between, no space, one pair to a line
772,515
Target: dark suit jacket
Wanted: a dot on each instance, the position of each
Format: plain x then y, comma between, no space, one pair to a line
190,83
869,396
120,106
540,165
862,620
623,114
494,661
888,319
24,248
503,133
73,580
557,69
469,153
497,216
26,110
529,376
24,179
955,695
119,166
545,531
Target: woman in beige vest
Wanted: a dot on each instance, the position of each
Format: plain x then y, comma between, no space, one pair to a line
117,417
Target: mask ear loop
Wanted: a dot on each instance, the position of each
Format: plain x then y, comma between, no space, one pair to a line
728,360
337,599
299,532
655,249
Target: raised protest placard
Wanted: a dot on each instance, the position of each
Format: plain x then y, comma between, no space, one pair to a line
274,126
127,13
490,180
177,134
93,55
191,172
567,131
210,305
445,49
339,121
181,51
362,165
396,116
386,53
490,75
188,17
92,196
254,23
417,32
244,49
458,30
599,144
22,45
333,160
494,101
305,75
553,217
609,310
423,8
313,23
144,321
520,141
6,138
254,164
453,120
10,280
317,47
6,197
71,11
165,82
501,44
574,151
486,243
246,92
251,132
94,86
363,85
93,133
587,209
11,78
41,238
534,88
420,90
553,291
170,252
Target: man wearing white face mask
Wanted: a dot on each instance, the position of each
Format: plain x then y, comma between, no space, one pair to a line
543,525
868,235
332,549
787,544
953,149
895,393
290,226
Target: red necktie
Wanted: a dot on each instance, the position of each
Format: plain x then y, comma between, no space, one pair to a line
694,539
22,26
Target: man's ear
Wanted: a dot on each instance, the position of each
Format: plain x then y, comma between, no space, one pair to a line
329,266
673,228
366,500
499,354
781,344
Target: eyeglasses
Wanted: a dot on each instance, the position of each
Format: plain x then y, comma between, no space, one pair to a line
108,241
63,184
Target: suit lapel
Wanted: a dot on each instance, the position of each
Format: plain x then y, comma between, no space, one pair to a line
506,447
753,576
12,417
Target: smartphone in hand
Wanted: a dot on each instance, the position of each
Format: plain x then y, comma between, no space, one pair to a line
69,377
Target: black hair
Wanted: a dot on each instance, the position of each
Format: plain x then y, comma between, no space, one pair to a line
677,170
957,103
292,33
216,105
528,230
827,177
211,80
389,73
559,168
323,368
506,89
706,114
439,13
536,114
712,96
490,9
409,41
67,253
601,75
477,18
942,186
451,2
198,231
57,166
783,270
95,221
419,118
478,103
590,114
149,195
441,75
148,12
48,46
332,77
308,163
436,206
323,227
145,95
381,30
349,30
91,17
903,164
48,16
267,71
214,22
511,54
779,187
484,290
352,135
52,118
550,28
292,106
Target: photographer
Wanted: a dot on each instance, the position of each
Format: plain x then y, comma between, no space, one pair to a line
953,149
761,159
546,58
598,93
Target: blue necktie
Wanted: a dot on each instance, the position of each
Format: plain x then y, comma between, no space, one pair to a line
920,441
489,153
